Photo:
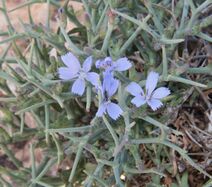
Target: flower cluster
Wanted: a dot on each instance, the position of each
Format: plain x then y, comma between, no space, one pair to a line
109,65
151,96
107,90
75,71
109,86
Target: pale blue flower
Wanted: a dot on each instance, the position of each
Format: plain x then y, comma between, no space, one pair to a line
108,89
109,65
151,97
75,71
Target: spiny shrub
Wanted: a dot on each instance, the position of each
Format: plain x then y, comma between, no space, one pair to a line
100,119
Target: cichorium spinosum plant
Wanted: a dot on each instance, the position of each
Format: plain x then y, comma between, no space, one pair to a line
100,101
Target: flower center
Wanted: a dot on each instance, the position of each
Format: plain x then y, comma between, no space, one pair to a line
106,64
82,74
106,97
147,95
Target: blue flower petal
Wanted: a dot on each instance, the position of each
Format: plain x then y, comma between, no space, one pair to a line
134,89
110,84
78,87
113,87
72,62
65,73
106,80
101,110
138,100
114,110
87,64
160,93
154,103
151,82
93,78
122,64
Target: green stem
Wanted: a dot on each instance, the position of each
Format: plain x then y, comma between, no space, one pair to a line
136,171
31,56
143,24
13,37
70,113
8,99
72,46
155,17
22,123
160,125
44,89
89,180
6,14
46,108
165,62
91,177
59,149
93,19
200,70
184,14
101,18
76,161
35,106
130,40
48,14
107,38
40,183
8,77
185,81
205,36
88,98
71,130
32,156
112,132
49,164
117,176
197,11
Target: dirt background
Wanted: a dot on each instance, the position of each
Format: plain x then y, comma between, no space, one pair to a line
39,13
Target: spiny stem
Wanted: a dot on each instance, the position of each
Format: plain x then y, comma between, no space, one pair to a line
165,62
46,108
76,161
101,18
130,40
32,156
107,38
48,14
112,132
197,11
88,98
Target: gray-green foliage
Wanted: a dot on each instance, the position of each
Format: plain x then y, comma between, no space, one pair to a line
151,34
